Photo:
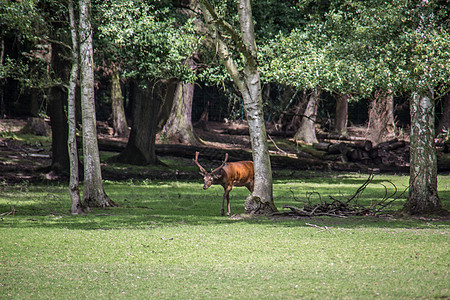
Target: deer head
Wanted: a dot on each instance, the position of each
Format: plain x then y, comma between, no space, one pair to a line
210,177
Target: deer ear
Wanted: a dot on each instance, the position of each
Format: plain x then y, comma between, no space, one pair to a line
217,175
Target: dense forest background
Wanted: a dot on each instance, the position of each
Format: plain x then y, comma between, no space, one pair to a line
345,47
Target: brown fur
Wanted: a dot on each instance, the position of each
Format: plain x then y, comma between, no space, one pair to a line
239,173
232,174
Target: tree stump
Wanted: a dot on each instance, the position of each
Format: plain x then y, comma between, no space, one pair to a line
36,126
254,206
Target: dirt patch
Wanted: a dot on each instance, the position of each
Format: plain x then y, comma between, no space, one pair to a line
21,160
230,135
11,125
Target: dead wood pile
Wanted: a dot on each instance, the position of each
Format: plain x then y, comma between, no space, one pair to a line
393,153
345,207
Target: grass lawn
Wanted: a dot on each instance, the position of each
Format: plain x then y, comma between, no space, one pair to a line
168,240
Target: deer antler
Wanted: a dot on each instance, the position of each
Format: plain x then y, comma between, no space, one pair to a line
196,161
221,166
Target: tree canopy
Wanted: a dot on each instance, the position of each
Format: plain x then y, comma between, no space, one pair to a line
24,32
145,39
359,47
350,46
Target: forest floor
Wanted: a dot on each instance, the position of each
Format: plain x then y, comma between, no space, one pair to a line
22,157
26,157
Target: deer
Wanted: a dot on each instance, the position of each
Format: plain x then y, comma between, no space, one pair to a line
228,175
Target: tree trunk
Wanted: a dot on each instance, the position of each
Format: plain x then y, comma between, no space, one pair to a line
297,111
149,104
58,117
93,194
307,130
381,124
423,195
71,116
179,127
444,123
261,200
2,82
34,105
118,112
340,120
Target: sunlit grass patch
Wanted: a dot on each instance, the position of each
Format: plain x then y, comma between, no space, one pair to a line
168,240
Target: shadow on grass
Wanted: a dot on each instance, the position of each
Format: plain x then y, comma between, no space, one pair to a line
149,205
137,218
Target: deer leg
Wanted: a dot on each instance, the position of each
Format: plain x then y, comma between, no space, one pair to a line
251,186
223,202
228,204
227,194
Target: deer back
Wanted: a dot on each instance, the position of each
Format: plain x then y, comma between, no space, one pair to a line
240,173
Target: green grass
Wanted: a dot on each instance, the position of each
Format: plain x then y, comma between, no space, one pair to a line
168,240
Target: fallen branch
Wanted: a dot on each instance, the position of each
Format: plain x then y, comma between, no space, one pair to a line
12,212
362,187
317,226
282,151
305,213
346,207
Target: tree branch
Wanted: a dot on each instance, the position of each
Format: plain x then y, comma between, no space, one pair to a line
248,32
222,48
215,18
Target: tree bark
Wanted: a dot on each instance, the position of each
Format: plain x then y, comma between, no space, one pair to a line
58,117
307,130
423,195
178,127
297,111
2,82
34,105
248,83
340,120
149,104
444,123
118,112
74,190
261,200
94,194
381,124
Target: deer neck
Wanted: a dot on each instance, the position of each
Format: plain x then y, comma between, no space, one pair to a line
218,177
